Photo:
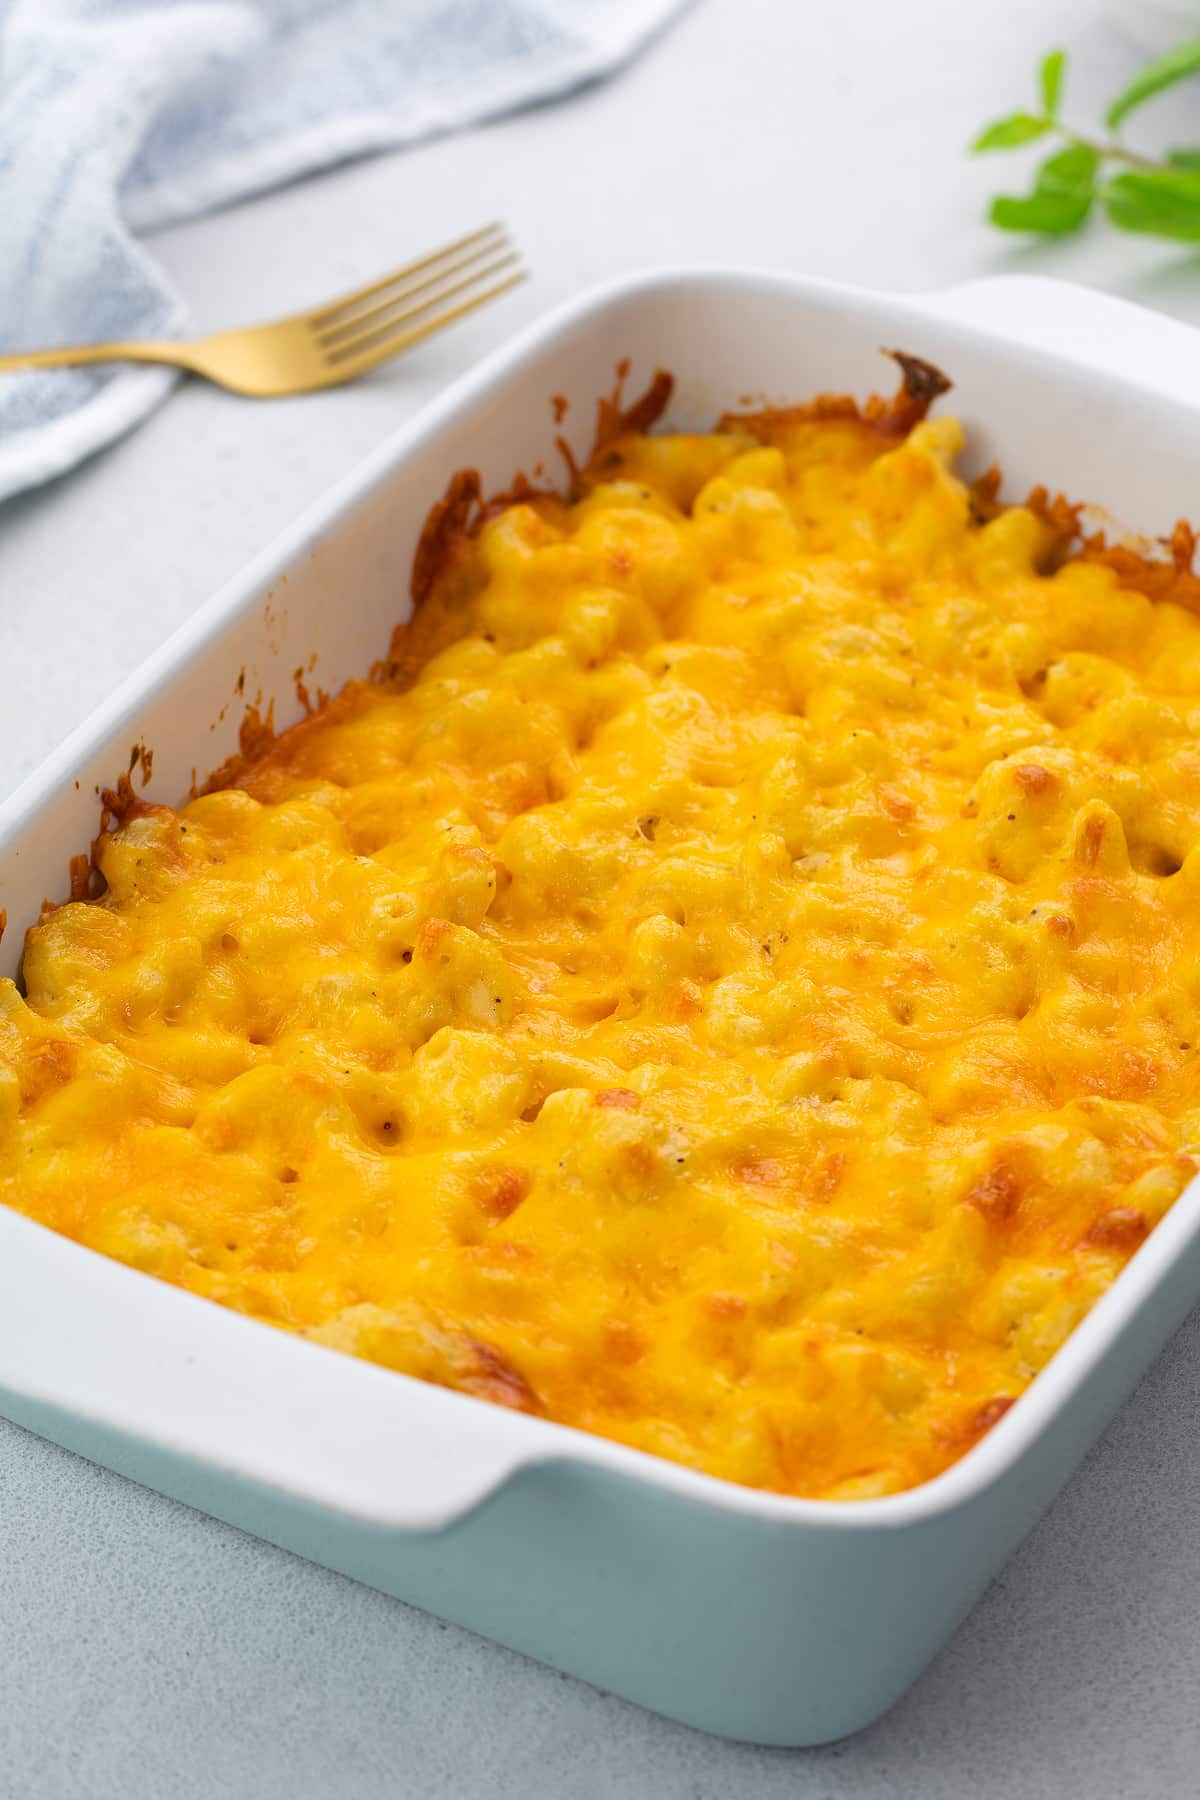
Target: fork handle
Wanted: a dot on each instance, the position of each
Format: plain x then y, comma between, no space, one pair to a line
177,355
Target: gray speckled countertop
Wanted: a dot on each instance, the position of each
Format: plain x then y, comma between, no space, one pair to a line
148,1651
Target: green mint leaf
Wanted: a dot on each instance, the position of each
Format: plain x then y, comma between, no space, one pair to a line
1050,77
1160,203
1006,134
1069,171
1051,214
1184,159
1164,72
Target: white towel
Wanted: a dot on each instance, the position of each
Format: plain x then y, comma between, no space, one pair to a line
122,115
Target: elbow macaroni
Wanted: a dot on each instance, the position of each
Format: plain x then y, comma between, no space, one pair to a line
732,984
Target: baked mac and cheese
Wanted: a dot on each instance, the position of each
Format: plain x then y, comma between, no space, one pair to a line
729,982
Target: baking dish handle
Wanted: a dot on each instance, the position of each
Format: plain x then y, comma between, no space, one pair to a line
1080,325
191,1398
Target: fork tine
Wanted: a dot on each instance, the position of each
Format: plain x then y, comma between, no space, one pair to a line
356,360
384,320
324,316
354,323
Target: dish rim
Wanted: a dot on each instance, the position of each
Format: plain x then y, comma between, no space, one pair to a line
537,1441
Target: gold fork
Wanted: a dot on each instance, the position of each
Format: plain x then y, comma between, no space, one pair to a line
332,343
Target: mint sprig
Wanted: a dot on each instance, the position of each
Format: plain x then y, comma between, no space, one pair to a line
1083,172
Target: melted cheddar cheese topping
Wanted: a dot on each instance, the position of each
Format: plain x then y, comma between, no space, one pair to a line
731,983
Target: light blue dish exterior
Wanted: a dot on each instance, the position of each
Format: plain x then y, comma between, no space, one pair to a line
782,1622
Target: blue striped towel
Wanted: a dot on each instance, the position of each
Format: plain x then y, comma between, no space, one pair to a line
123,115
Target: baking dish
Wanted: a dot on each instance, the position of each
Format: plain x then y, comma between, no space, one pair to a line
784,1621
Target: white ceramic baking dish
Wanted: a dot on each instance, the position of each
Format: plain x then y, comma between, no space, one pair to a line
784,1621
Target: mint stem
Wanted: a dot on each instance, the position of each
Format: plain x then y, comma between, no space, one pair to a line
1110,150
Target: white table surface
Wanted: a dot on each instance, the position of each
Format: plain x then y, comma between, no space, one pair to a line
148,1651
